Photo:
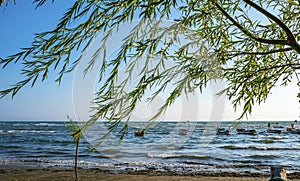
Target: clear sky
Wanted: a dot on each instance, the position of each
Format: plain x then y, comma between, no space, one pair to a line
48,101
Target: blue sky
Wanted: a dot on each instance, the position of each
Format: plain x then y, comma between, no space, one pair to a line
48,101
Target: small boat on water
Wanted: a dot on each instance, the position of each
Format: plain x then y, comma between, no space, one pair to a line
276,131
223,131
293,130
245,131
183,132
140,132
296,131
276,125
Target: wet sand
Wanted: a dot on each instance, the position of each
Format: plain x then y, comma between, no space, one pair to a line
19,173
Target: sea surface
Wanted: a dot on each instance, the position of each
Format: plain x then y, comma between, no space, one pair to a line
48,143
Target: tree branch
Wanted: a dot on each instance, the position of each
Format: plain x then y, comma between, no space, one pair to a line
260,53
272,17
262,40
293,65
291,38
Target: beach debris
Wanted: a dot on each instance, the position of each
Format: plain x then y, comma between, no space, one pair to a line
278,173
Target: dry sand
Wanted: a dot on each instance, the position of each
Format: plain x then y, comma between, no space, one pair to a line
56,173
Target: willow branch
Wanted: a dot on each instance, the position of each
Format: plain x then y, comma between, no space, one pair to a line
260,53
291,38
239,26
289,59
292,65
272,17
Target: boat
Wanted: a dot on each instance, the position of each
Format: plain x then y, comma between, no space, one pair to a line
293,130
140,132
223,131
183,132
245,131
271,130
276,131
276,125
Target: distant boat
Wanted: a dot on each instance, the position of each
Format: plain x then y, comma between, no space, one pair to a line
293,130
223,131
140,132
276,125
278,131
184,131
270,130
248,132
296,131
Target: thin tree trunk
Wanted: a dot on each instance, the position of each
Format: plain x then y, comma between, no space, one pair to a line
76,159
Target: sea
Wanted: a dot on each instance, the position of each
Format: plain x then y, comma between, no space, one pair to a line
162,148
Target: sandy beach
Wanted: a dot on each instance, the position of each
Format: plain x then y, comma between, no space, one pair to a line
56,173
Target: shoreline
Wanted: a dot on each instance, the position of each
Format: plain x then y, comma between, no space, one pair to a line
14,172
44,151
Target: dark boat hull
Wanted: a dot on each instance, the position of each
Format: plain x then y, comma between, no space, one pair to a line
277,131
293,130
222,131
247,132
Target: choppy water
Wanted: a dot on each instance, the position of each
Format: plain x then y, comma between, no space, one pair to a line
161,148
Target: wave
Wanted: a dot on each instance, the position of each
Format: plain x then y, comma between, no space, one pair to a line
266,141
274,137
232,147
171,156
263,156
38,161
26,124
20,124
3,131
248,162
9,146
27,131
48,124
